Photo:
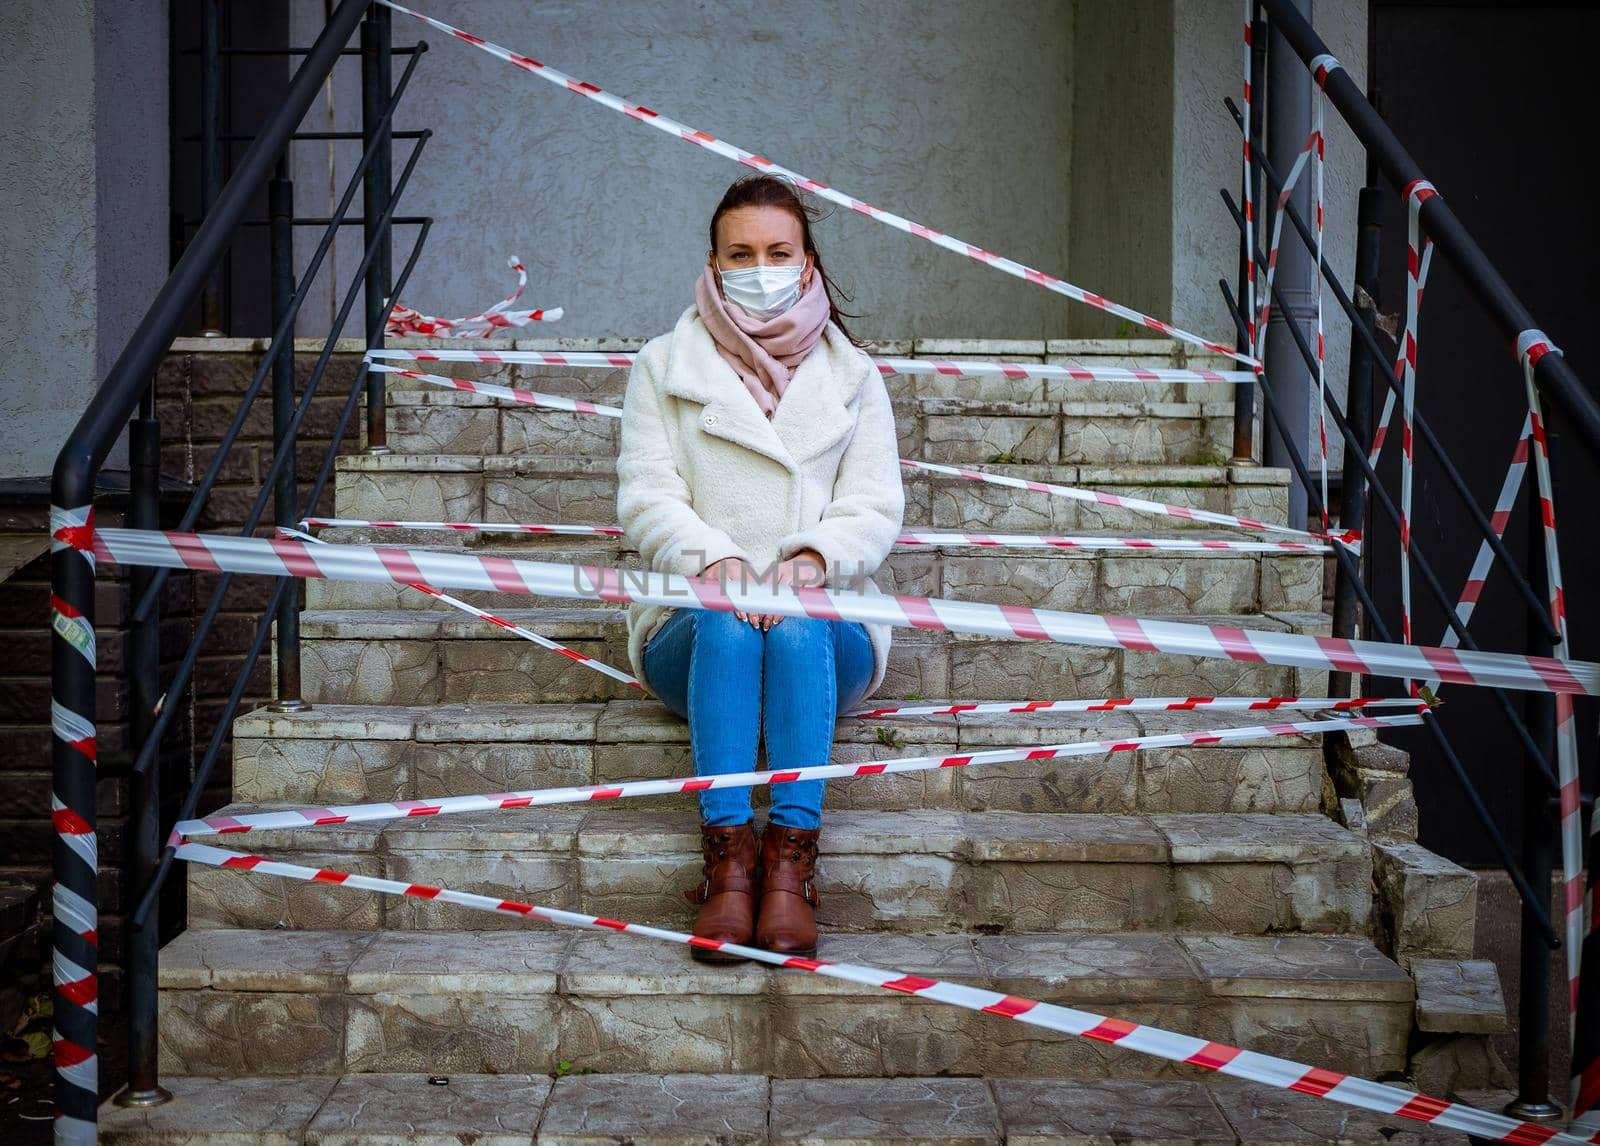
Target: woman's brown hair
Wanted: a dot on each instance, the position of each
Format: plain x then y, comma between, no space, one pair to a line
761,190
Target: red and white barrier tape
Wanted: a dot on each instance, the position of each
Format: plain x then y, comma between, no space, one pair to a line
1351,539
1248,194
1348,538
499,622
506,393
377,564
462,526
911,537
888,366
759,163
1533,345
1504,504
405,322
1275,243
626,789
1268,1070
1418,262
1321,68
1145,704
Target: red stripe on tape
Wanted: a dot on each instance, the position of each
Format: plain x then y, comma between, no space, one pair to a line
1110,1030
1011,1007
1423,1108
909,984
1130,634
1317,1081
1214,1056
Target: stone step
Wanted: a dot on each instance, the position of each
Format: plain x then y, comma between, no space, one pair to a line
267,1003
1135,581
414,656
583,490
583,1109
950,430
341,754
1243,873
608,385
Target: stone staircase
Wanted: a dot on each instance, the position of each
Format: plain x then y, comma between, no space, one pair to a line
1252,895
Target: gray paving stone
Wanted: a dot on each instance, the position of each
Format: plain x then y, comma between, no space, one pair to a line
851,1111
406,1110
209,1111
1459,996
1102,1112
656,1110
1262,1116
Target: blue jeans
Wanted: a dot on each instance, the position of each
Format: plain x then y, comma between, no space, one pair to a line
734,682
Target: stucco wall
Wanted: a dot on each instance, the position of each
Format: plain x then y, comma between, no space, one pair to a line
957,115
1122,184
47,228
83,207
1206,156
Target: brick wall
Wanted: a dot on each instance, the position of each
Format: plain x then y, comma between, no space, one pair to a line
199,388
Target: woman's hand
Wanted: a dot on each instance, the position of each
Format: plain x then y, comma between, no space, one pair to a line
729,568
805,570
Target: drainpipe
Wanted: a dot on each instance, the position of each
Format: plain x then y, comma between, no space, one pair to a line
1288,124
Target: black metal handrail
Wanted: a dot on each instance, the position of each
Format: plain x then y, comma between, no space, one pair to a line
1553,374
128,392
1372,354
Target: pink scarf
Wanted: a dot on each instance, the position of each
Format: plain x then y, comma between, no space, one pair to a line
763,354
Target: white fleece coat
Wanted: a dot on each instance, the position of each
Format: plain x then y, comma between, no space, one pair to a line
703,475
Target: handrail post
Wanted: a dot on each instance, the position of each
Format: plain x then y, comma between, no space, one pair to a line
285,494
1538,864
1244,396
375,94
74,854
144,689
1358,413
210,153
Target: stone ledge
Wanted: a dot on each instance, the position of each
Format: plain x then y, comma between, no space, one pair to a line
736,1109
534,961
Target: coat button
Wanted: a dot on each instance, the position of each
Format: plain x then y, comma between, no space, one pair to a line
710,420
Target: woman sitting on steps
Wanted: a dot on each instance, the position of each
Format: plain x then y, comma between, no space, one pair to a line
758,441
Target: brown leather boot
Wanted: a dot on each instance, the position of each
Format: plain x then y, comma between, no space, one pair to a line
788,922
727,895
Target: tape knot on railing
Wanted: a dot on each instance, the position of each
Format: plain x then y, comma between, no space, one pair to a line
1533,344
1419,191
1323,66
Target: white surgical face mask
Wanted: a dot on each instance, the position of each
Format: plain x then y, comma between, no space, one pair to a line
765,292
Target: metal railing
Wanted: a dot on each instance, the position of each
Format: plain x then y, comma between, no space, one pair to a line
1365,503
127,397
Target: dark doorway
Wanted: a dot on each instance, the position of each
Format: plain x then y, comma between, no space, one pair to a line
1493,100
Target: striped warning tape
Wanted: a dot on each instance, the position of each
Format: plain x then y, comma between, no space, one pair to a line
543,797
888,366
911,537
1269,1070
1145,704
1349,538
505,393
1532,345
406,322
281,557
499,622
759,163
